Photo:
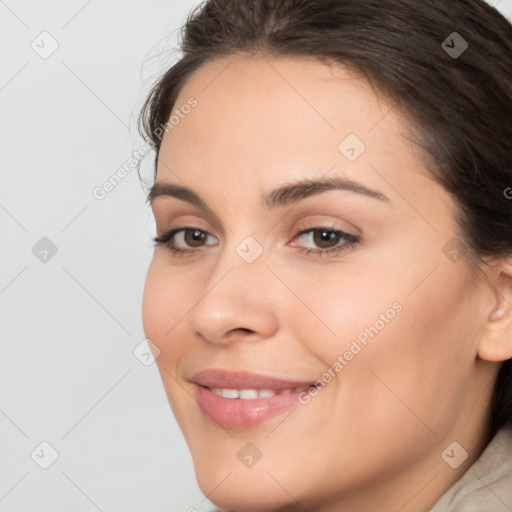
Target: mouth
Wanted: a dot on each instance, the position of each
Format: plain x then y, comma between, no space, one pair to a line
252,394
244,400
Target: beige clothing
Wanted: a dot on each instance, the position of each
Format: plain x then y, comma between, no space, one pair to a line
487,485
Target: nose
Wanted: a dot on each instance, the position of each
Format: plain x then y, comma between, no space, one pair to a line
236,304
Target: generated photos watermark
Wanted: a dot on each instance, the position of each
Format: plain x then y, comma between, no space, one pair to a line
100,192
357,345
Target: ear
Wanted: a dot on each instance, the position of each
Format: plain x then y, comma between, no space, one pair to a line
496,339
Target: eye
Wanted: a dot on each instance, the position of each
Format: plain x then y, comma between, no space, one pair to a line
317,240
321,240
183,240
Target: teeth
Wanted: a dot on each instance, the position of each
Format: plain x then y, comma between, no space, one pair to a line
230,393
250,394
266,393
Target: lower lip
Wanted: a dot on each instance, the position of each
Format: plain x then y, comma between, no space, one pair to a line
241,413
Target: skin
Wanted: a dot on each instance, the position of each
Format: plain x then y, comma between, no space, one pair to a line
372,439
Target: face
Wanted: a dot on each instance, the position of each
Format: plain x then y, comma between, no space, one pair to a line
302,242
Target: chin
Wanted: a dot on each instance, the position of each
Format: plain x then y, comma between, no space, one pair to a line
241,490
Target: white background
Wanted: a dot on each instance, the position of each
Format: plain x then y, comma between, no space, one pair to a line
69,325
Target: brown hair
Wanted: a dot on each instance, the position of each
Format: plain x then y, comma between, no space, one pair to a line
457,98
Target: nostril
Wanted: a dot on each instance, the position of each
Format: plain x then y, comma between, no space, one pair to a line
243,329
240,330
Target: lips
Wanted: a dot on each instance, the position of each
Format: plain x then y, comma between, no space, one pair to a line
214,378
244,400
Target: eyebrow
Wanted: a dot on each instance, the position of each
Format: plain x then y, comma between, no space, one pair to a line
281,196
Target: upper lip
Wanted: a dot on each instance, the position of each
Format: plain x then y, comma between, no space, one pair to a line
217,378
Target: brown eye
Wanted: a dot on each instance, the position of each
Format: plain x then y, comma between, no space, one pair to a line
194,237
324,239
184,240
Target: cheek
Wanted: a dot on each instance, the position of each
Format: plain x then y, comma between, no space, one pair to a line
337,308
154,305
405,351
166,300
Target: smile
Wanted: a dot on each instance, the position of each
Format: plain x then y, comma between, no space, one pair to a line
251,394
242,400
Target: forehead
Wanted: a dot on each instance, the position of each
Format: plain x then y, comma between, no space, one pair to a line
262,118
262,92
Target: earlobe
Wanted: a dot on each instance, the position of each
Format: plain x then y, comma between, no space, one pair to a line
496,339
497,314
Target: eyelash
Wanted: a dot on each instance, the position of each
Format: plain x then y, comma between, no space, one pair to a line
166,239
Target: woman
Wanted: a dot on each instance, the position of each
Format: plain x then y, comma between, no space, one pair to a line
331,289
